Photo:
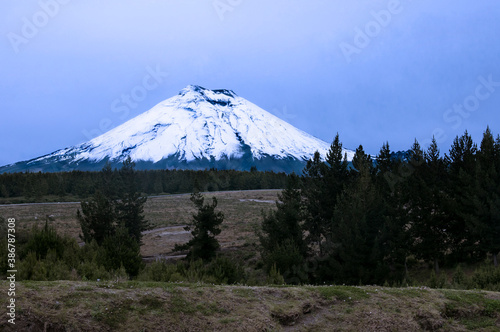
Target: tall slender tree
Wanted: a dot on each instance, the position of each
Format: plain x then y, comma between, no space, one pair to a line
97,218
130,205
204,228
461,164
357,223
282,237
484,218
314,202
428,221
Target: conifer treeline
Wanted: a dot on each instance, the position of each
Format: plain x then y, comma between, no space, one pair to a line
34,186
364,224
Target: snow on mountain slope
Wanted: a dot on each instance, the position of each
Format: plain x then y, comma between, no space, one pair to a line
198,123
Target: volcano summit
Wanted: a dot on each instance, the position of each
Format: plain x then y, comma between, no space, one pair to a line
197,129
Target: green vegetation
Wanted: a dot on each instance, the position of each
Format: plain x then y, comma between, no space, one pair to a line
76,185
204,228
373,223
136,305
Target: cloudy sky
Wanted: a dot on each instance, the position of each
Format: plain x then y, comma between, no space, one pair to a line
373,71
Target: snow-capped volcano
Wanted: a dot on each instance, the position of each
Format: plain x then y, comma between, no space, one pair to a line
198,128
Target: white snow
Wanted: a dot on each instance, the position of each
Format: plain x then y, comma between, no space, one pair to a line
200,123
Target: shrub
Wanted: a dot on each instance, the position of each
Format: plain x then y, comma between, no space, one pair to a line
487,277
275,277
42,240
288,259
225,271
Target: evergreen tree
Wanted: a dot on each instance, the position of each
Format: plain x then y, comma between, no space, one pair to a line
385,170
384,160
392,242
122,250
357,224
484,218
361,160
313,192
130,206
461,165
97,218
282,237
428,221
109,182
335,179
204,228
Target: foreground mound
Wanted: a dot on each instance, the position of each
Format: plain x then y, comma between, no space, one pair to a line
146,306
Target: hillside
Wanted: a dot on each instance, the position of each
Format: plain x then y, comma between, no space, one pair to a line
140,306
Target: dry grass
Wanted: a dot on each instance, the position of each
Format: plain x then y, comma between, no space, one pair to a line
242,215
147,306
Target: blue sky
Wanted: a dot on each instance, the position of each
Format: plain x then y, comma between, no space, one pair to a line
374,71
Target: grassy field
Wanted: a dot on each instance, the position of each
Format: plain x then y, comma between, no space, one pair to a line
146,306
122,305
167,214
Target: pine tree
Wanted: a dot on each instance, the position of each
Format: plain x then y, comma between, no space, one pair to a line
361,160
130,206
97,218
484,219
282,236
109,182
429,225
313,192
392,241
357,223
204,228
122,250
461,165
335,179
385,170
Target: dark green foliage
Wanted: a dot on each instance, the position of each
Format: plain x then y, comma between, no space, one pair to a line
220,270
130,214
355,226
362,225
122,250
97,218
428,219
313,191
282,239
361,160
204,228
41,241
130,206
47,255
109,209
484,216
225,271
31,187
114,219
288,259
